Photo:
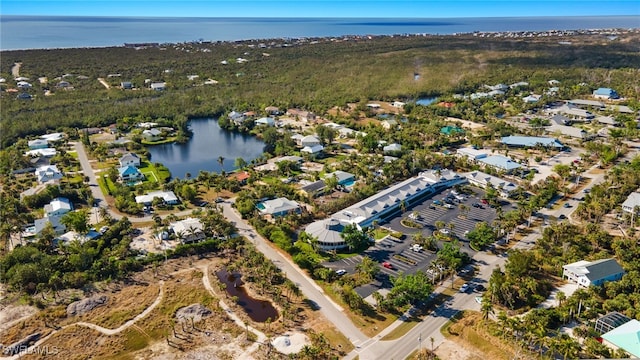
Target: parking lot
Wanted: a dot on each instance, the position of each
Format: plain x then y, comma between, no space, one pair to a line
399,254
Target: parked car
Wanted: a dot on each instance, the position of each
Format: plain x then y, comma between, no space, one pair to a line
416,248
477,205
484,201
437,202
104,229
444,231
341,272
387,265
567,205
464,287
449,206
479,288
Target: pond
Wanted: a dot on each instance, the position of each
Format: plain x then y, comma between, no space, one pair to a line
208,143
426,101
258,310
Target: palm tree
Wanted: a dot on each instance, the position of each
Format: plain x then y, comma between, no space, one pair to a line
221,163
561,297
486,308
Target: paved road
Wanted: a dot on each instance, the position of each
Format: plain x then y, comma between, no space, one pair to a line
332,311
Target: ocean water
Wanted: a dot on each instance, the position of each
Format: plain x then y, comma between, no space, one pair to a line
42,32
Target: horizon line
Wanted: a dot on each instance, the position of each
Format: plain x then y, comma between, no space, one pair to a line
321,17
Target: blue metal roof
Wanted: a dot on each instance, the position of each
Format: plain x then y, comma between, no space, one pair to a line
500,162
531,141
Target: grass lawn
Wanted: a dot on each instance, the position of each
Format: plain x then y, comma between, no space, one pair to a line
153,173
106,185
380,233
402,329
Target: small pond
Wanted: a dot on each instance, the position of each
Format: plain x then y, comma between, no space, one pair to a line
426,101
258,310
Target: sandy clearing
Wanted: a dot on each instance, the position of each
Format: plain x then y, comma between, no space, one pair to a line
11,314
450,350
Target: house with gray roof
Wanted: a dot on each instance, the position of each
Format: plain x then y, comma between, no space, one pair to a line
587,273
632,203
309,140
58,207
48,173
188,230
391,148
531,141
343,177
314,189
500,162
482,180
569,131
329,234
129,159
278,207
152,134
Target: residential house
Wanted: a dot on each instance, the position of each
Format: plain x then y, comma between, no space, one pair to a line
23,85
531,99
268,121
558,119
48,152
392,148
569,131
587,273
632,204
167,197
398,104
241,177
471,153
38,144
519,84
553,82
531,141
625,337
577,114
40,224
64,84
312,150
48,173
309,141
451,130
500,162
158,86
607,120
297,138
57,207
373,106
482,180
314,189
130,173
236,117
344,178
24,96
278,207
605,93
126,85
586,103
189,230
152,134
129,159
53,137
389,124
301,115
68,237
272,110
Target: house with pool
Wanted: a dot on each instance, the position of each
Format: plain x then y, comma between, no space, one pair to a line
344,178
381,206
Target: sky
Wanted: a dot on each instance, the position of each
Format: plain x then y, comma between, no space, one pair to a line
321,8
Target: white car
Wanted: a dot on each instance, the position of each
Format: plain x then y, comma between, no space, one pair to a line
444,231
341,272
449,206
416,248
464,287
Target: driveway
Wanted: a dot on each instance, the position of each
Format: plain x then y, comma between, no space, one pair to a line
332,311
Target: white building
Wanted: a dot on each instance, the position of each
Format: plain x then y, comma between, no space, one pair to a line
58,207
632,202
189,230
587,273
482,180
168,197
310,141
48,173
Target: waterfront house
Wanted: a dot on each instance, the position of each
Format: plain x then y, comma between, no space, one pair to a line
605,93
241,177
57,207
130,173
48,173
236,117
167,197
129,159
152,134
587,273
188,230
278,207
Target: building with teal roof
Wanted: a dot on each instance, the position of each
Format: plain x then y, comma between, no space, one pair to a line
625,337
